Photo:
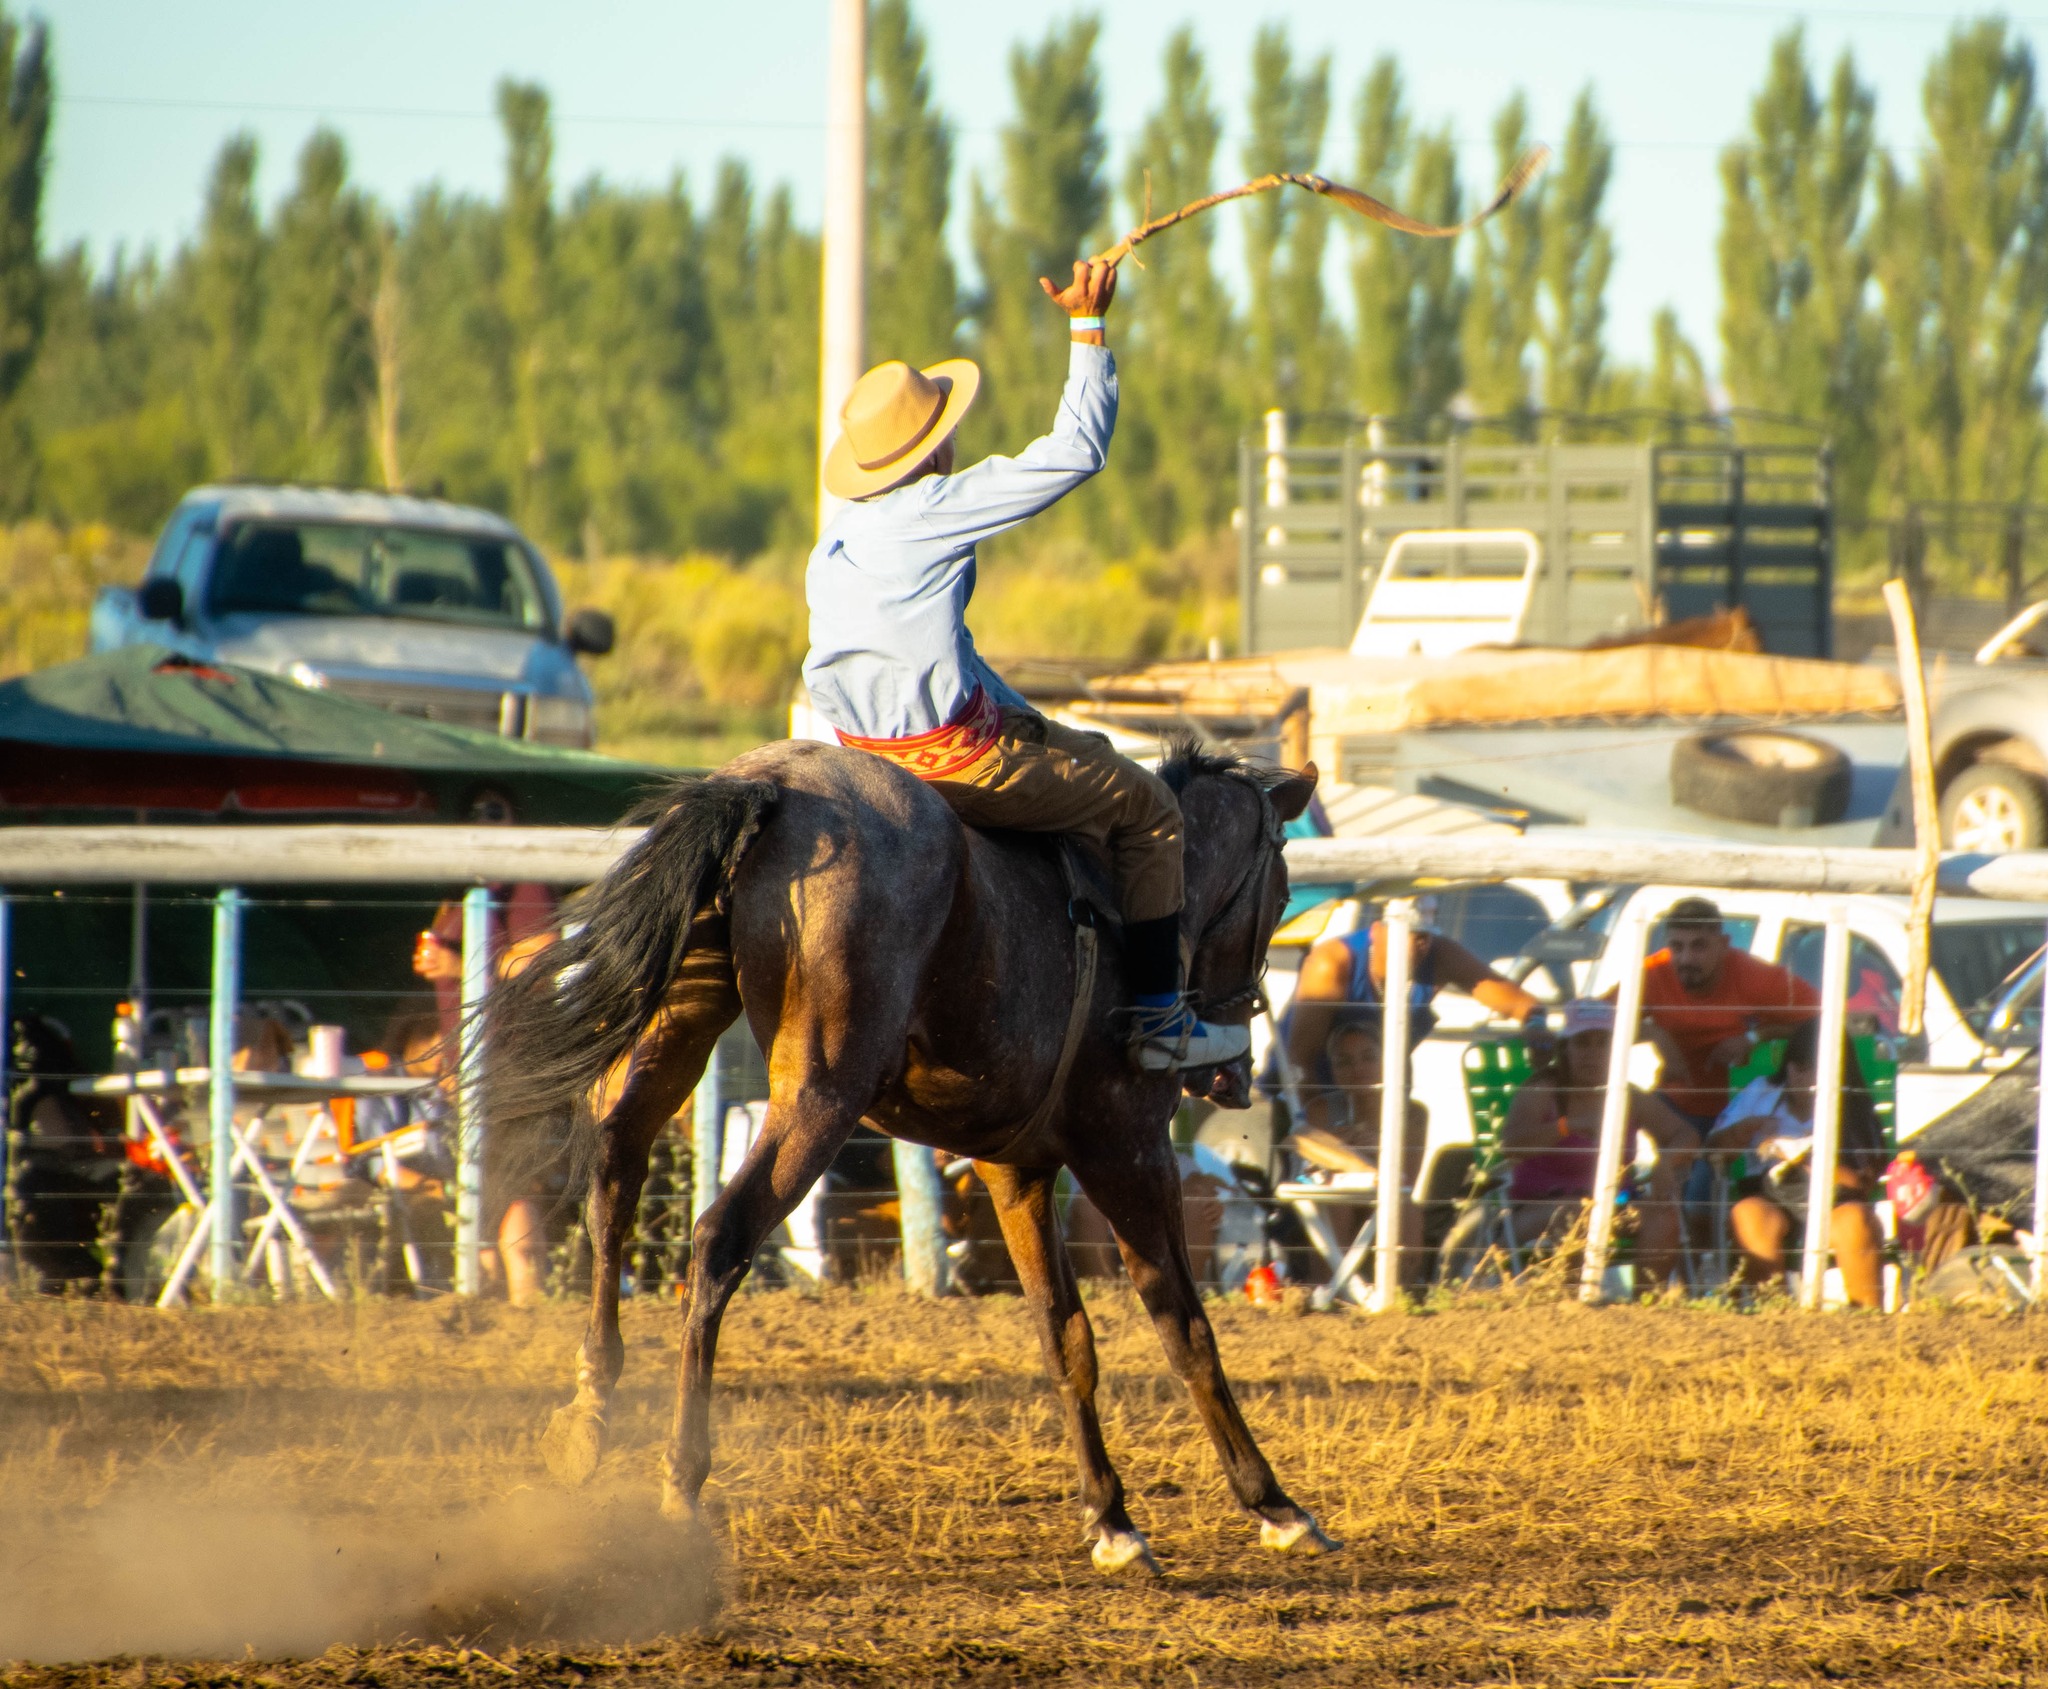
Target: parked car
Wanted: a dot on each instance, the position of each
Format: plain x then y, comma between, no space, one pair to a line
1990,744
411,604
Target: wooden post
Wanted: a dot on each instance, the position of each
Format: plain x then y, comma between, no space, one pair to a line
1394,1019
220,1058
1926,817
1614,1123
842,314
1827,1105
920,1202
469,1177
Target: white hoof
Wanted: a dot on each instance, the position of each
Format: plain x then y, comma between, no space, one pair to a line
1123,1550
1302,1536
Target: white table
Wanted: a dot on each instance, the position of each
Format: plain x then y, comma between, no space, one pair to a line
144,1088
1311,1200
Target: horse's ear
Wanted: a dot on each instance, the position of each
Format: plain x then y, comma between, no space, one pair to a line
1291,796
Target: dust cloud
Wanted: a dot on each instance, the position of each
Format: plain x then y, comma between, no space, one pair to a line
212,1580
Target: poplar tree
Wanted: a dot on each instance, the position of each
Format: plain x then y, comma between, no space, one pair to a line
529,295
1962,259
1576,259
913,294
316,328
1799,338
1408,293
1292,346
452,343
1053,198
24,156
1500,316
226,290
1180,413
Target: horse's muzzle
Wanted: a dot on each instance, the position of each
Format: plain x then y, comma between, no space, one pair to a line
1227,1086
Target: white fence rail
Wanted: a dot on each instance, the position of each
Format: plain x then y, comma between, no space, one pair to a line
435,855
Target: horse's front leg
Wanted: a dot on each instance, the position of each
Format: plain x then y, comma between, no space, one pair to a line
1142,1202
649,1088
1031,1230
804,1129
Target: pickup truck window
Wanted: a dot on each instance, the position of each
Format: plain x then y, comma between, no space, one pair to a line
341,569
1873,982
1976,958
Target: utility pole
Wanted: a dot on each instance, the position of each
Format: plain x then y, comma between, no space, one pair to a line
843,305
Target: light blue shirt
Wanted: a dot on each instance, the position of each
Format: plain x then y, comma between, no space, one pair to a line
890,578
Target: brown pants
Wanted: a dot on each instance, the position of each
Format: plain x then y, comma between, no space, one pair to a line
1040,777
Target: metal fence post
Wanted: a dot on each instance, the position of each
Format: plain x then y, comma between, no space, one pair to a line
1827,1106
469,1177
1614,1123
6,1108
920,1202
2041,1159
220,1058
707,1139
1400,928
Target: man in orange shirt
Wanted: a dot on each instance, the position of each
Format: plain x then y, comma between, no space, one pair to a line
1707,1005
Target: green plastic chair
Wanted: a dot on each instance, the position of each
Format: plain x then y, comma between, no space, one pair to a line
1880,1073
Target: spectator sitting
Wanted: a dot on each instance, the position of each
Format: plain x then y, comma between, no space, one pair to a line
1343,1135
1551,1140
1771,1121
1343,979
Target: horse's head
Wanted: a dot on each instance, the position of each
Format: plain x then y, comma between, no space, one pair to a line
1236,871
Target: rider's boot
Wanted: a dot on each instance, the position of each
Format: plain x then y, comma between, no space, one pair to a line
1165,1033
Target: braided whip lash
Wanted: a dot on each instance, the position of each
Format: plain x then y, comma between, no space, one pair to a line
1352,199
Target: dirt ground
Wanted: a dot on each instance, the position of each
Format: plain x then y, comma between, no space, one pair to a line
1528,1494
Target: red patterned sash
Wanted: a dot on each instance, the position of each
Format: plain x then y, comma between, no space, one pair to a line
944,750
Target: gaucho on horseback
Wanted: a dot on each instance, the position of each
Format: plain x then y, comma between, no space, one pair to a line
909,953
893,667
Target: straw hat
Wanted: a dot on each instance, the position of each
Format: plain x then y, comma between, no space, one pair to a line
895,418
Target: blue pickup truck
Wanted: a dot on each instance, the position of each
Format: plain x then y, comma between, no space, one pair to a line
411,604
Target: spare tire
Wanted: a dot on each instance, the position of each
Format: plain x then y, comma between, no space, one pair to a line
1768,778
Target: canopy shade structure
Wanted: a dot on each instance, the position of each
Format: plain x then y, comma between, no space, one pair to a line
144,730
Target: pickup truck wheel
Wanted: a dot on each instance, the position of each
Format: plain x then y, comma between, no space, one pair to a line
1769,779
1994,807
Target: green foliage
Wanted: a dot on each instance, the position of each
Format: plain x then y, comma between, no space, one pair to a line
1053,197
1800,341
25,97
1285,233
1962,261
1409,296
1178,424
48,577
1577,258
1500,303
913,295
223,278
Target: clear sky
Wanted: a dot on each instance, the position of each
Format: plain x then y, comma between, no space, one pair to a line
148,90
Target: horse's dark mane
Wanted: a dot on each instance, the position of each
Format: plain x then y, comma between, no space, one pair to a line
1186,760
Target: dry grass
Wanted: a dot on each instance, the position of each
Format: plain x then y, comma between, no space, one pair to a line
1529,1494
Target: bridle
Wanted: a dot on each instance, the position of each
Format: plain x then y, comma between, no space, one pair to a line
1273,842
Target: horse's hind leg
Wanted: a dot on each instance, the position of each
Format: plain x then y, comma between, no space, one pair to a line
1024,1206
1142,1202
805,1127
637,1100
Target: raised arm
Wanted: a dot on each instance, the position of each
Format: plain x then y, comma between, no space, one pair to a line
996,494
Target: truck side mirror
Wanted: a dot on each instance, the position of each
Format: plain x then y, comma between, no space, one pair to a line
161,600
591,632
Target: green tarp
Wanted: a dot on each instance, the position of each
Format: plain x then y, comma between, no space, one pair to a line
141,711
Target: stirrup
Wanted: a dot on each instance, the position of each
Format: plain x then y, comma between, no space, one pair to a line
1171,1039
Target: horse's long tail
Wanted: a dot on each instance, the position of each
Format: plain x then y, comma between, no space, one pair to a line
552,1032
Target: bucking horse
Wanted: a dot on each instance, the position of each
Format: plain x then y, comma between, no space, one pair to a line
939,983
